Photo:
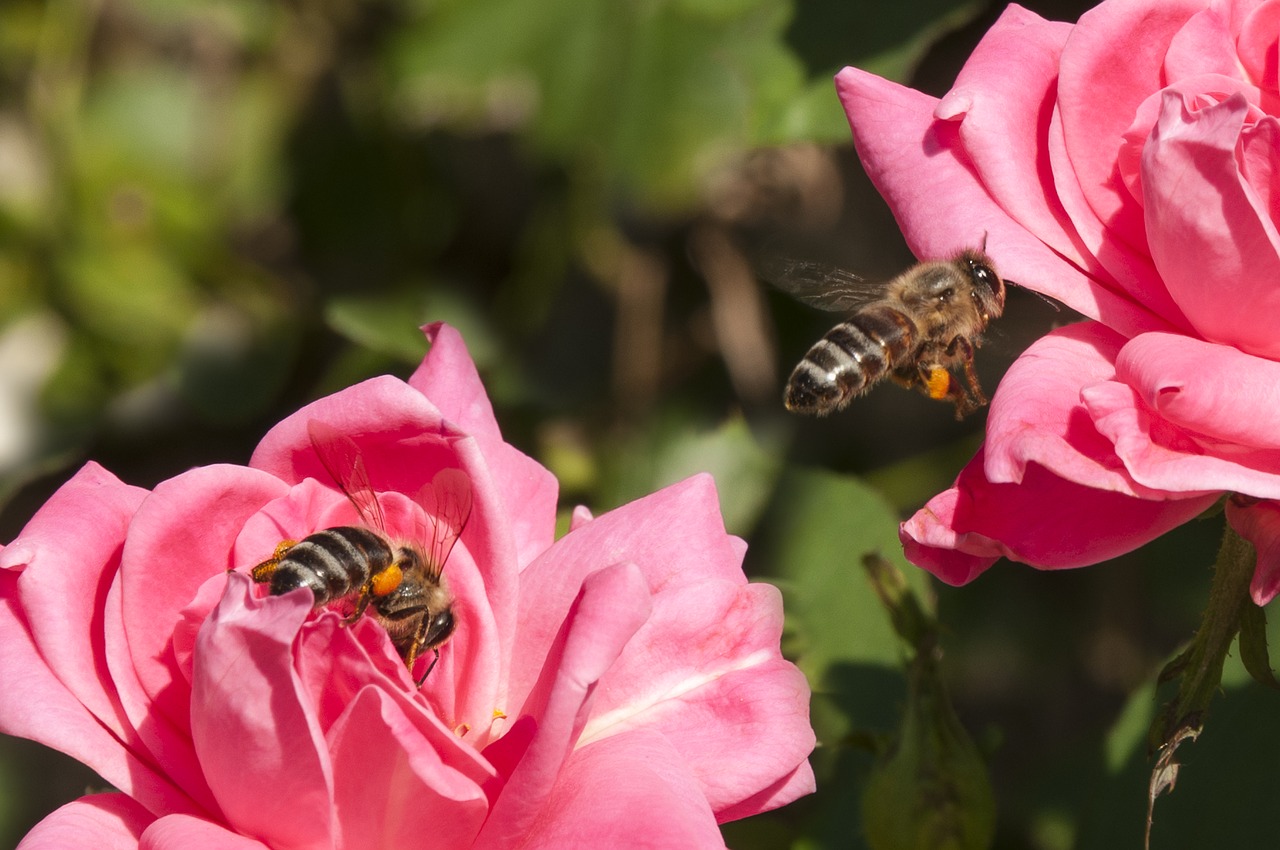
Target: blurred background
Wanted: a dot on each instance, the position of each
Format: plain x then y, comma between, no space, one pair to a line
214,212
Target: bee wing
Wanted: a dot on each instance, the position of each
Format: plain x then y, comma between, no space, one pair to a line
341,458
821,285
447,503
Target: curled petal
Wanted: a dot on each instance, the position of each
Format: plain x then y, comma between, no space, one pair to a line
930,540
1259,523
1037,417
66,577
793,786
1177,421
407,791
449,378
1212,390
1038,521
243,667
528,490
1217,248
1112,61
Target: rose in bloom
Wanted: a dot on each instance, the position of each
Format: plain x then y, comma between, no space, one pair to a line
1128,165
619,687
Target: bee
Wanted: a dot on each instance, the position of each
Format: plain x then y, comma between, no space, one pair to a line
362,568
915,329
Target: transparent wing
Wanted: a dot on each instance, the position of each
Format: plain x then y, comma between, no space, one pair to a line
821,285
447,503
341,458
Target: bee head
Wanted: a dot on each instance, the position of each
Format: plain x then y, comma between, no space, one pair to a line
988,287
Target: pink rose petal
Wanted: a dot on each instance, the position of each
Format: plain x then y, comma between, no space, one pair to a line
244,665
705,671
1205,44
1003,102
1113,59
1260,162
404,793
1038,522
1213,390
1162,455
627,792
169,556
898,139
676,536
66,577
101,821
448,376
1256,45
612,605
1037,417
182,832
1218,251
1259,523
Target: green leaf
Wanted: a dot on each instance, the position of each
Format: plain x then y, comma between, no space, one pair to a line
390,321
1253,646
825,524
646,98
744,470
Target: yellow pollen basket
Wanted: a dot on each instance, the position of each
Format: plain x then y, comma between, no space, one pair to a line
386,581
938,383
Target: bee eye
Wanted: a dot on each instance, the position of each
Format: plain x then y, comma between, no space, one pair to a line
946,294
440,627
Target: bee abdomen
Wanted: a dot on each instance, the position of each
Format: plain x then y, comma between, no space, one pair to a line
849,359
332,563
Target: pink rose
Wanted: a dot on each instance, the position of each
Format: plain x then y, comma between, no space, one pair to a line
621,686
1128,165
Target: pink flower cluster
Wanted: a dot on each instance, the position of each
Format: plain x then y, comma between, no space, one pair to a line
1128,165
619,687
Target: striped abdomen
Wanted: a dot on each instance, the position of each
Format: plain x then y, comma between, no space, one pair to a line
852,357
333,563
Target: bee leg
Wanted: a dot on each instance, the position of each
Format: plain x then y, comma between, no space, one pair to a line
415,648
430,667
362,603
263,572
937,382
381,583
961,345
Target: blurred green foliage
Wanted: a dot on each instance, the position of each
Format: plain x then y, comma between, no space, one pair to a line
212,211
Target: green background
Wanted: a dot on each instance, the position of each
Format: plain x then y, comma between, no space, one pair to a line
213,212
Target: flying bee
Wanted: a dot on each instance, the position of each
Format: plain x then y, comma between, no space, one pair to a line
915,329
363,568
